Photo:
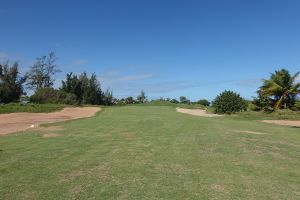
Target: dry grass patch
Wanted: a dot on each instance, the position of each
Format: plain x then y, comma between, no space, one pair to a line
283,122
249,132
47,132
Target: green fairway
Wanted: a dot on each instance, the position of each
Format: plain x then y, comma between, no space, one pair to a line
152,152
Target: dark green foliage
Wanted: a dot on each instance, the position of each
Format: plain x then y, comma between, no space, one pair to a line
184,100
129,100
10,83
281,89
86,89
30,107
142,97
73,85
50,95
229,102
203,102
108,99
174,101
42,71
262,104
297,104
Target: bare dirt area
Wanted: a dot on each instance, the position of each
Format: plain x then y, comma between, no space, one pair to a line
14,122
196,112
283,122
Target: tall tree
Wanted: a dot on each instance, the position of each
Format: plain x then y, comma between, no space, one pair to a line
87,89
184,100
11,83
73,85
108,98
142,97
282,88
41,73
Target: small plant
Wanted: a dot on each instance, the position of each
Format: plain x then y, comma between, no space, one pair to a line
229,102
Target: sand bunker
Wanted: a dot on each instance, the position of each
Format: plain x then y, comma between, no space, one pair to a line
196,112
14,122
283,122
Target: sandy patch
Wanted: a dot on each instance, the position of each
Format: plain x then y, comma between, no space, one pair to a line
48,135
250,132
283,122
14,122
47,132
196,112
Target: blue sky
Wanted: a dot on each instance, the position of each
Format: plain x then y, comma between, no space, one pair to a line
168,48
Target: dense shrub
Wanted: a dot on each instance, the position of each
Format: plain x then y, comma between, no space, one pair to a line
11,83
174,101
184,100
203,102
86,88
50,95
229,102
297,105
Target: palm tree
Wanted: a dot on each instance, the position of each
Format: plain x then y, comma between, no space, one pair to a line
282,88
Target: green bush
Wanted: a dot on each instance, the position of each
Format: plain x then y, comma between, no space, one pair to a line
203,102
50,95
229,102
297,105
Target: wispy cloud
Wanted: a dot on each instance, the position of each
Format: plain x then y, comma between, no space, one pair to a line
4,56
119,76
249,82
136,77
78,62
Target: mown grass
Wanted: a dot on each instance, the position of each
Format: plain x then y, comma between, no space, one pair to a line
152,152
30,107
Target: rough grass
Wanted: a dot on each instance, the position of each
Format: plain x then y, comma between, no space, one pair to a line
34,108
152,152
280,114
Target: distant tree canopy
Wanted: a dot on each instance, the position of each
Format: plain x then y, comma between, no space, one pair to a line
108,98
279,91
129,100
142,97
203,102
11,83
41,73
174,101
184,100
86,89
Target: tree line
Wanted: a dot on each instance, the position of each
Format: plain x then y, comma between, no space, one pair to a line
75,89
280,91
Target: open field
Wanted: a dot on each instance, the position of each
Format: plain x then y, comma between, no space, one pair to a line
152,152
